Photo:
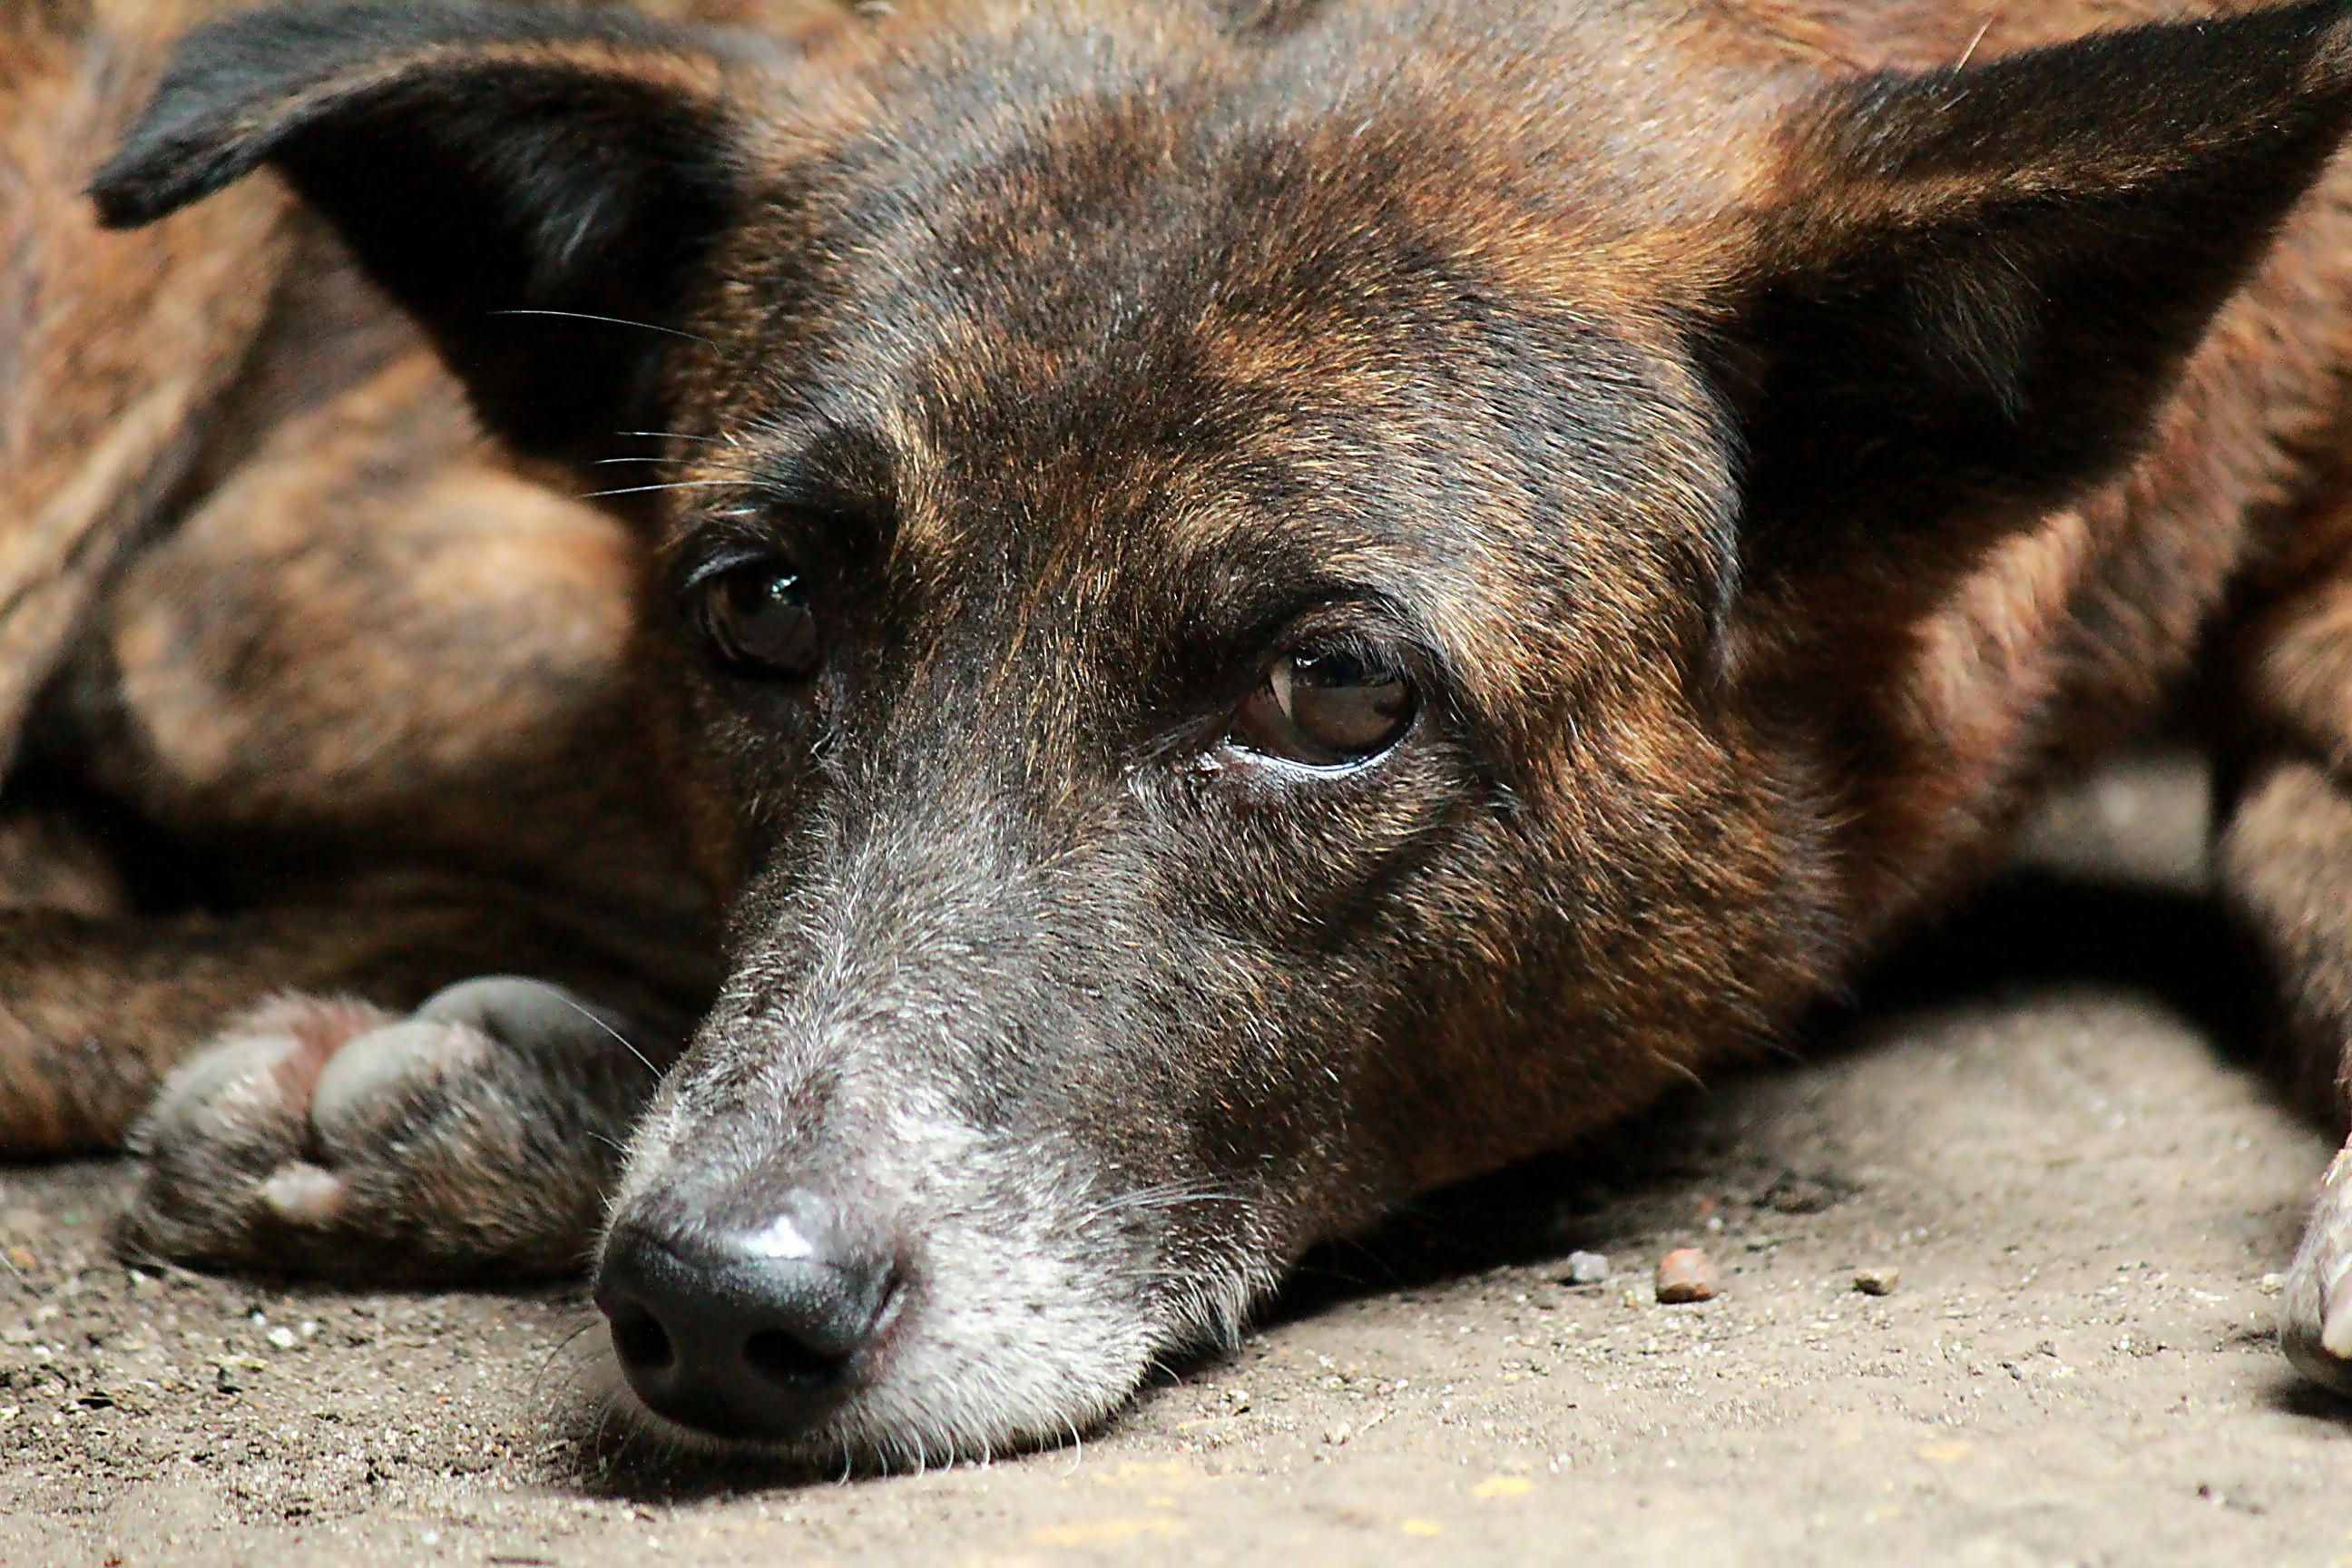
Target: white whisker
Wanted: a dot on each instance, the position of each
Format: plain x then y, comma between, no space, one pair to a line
1970,52
680,485
612,321
626,1045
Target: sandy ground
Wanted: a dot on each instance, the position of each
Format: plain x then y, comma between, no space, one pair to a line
2046,1133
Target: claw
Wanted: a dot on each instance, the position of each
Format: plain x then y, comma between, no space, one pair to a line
304,1194
2316,1309
2335,1339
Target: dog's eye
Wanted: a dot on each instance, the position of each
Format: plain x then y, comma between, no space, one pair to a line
757,619
1327,708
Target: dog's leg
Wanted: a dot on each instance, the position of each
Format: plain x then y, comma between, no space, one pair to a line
47,861
374,655
316,1132
2285,866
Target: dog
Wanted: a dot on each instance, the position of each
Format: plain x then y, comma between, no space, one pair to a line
1200,618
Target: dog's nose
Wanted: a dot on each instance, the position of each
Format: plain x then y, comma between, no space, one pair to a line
757,1332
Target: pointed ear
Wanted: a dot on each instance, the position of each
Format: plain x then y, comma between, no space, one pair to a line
483,159
1977,285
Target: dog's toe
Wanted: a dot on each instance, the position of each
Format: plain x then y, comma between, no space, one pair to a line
228,1117
2315,1308
475,1137
246,1088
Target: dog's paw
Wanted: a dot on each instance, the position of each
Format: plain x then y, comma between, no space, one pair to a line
2315,1308
475,1137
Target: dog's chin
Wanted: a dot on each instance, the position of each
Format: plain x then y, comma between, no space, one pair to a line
992,1394
906,1421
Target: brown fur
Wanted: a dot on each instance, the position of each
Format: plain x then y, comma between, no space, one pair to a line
224,384
1743,675
115,346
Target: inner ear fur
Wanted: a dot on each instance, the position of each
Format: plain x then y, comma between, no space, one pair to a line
482,159
1982,281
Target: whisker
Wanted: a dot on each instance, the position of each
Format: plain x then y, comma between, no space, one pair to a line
664,435
1970,52
555,1354
625,1044
1168,1196
607,1412
680,485
628,1441
614,322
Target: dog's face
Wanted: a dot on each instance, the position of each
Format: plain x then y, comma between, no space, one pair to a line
1280,624
1163,592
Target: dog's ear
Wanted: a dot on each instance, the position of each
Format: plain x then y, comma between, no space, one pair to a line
503,168
1976,285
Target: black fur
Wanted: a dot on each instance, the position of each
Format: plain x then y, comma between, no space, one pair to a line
484,159
2030,248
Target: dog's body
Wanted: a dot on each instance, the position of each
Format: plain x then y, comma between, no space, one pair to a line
1285,603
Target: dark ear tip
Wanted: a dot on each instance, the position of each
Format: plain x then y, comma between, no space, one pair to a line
124,199
174,152
145,180
194,137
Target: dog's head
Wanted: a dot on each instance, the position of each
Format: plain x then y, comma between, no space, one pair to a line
1264,581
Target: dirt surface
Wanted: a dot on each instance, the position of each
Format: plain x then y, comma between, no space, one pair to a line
2078,1183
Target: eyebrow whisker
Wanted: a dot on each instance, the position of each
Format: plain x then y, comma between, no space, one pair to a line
614,322
677,485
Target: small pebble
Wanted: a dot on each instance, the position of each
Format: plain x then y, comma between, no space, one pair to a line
1687,1274
1587,1268
1879,1281
282,1337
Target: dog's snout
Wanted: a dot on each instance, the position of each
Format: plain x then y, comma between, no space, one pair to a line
758,1332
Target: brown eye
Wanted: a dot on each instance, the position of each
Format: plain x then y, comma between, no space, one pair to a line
757,620
1327,708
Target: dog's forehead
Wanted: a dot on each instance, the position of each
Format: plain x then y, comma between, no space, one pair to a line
1053,174
1183,305
1179,267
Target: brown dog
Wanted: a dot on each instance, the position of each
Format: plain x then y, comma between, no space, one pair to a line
1255,608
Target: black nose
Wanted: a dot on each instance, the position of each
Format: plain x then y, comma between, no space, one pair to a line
760,1331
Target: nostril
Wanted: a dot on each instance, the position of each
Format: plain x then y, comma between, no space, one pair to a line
641,1342
786,1359
762,1331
